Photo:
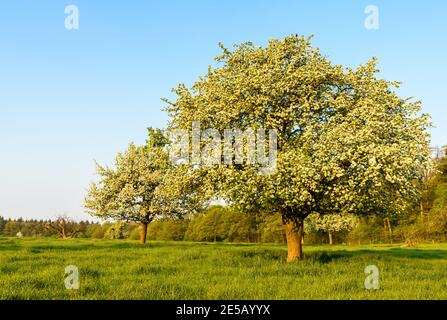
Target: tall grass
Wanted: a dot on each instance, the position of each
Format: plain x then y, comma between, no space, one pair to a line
34,269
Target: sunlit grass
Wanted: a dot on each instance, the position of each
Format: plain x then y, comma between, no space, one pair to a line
34,269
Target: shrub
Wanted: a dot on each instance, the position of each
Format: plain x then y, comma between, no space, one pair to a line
115,231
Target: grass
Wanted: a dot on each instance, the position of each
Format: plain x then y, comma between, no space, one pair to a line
34,269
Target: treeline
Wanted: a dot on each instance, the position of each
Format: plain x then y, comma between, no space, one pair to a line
41,228
219,224
215,224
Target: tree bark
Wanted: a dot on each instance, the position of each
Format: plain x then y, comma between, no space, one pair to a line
422,210
330,238
294,235
388,226
143,232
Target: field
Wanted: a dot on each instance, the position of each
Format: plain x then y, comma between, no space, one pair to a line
34,269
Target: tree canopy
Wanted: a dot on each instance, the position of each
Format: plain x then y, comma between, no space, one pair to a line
129,190
346,141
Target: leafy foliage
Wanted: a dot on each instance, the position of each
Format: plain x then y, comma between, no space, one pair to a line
330,223
346,141
128,191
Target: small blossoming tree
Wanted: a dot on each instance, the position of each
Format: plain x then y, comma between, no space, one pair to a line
330,223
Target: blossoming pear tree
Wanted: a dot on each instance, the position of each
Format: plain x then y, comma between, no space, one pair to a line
129,190
346,141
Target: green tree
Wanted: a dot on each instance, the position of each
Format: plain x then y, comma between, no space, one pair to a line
97,230
172,230
237,226
271,229
2,224
129,191
11,228
206,226
346,142
116,231
438,214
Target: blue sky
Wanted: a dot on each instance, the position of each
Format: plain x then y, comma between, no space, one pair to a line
69,97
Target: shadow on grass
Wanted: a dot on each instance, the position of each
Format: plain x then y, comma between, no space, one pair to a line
264,254
324,256
244,250
76,245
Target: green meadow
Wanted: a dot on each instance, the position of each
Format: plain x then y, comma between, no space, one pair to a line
35,269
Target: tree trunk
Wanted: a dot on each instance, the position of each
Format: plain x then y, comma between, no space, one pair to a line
422,210
388,222
294,235
143,232
330,238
